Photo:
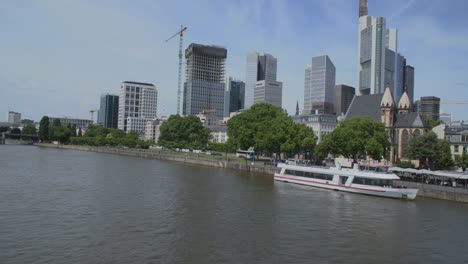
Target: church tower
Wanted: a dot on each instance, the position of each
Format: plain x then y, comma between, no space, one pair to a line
387,108
404,106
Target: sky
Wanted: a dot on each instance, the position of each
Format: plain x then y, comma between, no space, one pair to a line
58,56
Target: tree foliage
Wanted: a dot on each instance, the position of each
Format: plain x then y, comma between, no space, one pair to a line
44,128
184,132
430,151
268,129
29,129
433,123
97,135
355,138
462,161
4,129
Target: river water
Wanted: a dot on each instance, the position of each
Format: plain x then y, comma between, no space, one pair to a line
63,206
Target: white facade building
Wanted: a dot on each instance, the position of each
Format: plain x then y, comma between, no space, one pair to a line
13,117
152,130
137,105
219,134
321,124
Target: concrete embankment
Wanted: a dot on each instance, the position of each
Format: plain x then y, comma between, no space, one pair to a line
220,162
437,191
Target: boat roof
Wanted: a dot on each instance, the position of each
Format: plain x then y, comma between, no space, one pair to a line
342,172
447,174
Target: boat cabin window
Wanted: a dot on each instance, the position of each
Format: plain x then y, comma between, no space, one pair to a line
308,174
373,182
373,168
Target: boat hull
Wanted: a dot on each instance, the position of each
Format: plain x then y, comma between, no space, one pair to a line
397,193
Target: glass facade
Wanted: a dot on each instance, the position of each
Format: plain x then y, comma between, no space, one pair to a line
319,85
204,89
108,115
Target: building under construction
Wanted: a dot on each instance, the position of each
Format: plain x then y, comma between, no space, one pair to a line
205,84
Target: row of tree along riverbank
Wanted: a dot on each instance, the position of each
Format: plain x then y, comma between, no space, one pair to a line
273,134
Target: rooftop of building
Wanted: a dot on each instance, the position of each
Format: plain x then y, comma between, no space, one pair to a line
138,83
365,106
209,50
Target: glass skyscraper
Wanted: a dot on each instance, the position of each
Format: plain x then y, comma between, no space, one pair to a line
204,88
319,83
261,84
108,115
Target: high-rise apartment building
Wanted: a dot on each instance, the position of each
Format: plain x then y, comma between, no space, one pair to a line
379,61
343,95
108,115
137,104
319,83
204,88
428,107
13,117
234,96
261,84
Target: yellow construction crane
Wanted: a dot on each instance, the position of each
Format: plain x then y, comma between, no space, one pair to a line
181,37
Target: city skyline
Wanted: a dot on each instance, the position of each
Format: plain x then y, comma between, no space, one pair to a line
51,51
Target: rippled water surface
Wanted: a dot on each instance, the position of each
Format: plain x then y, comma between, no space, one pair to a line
62,206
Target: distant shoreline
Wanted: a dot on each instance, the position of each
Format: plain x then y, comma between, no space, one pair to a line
219,162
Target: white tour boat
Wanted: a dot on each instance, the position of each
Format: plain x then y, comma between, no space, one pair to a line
348,180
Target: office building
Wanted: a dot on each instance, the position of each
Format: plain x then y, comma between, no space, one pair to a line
408,81
261,84
108,115
319,83
343,95
137,105
269,92
204,88
377,54
13,117
428,107
234,99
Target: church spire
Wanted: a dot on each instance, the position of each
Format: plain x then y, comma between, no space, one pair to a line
363,8
297,108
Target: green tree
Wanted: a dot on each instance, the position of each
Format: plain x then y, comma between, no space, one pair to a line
44,129
61,134
17,133
430,151
433,123
184,132
56,123
443,159
269,130
462,161
96,130
27,122
29,129
355,138
4,129
80,132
